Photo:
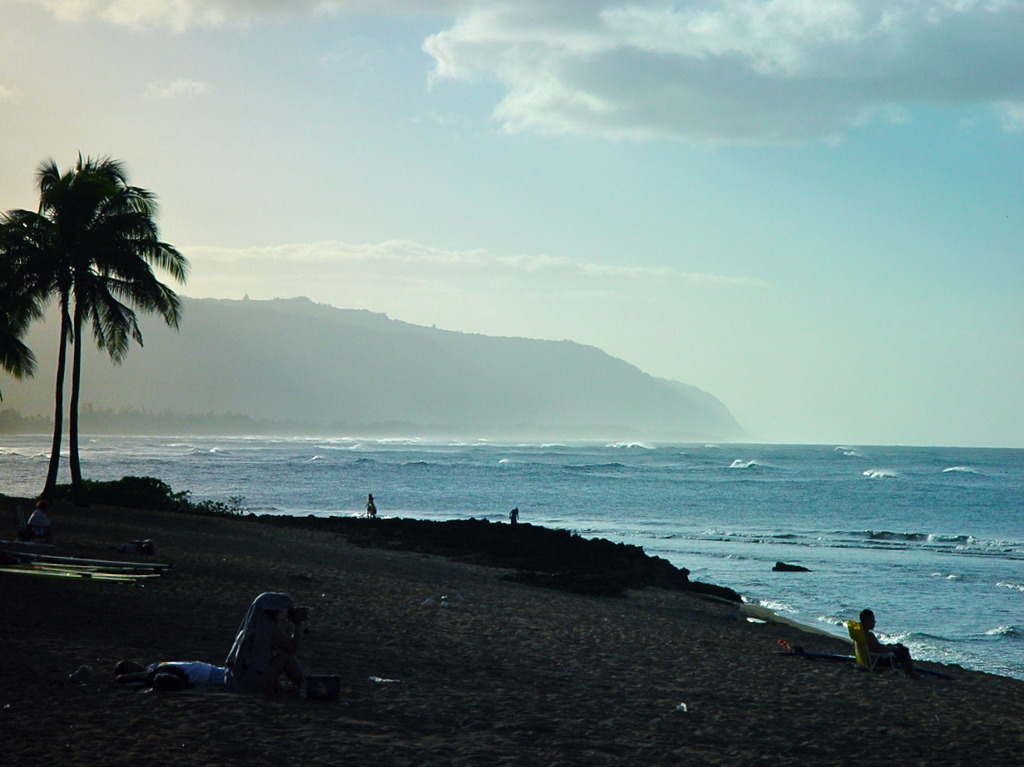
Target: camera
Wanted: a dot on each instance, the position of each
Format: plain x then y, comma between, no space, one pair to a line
298,614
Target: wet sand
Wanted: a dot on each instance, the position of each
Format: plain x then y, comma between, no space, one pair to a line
507,674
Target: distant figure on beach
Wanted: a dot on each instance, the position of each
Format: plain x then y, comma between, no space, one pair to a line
266,647
901,653
39,525
170,675
371,507
513,516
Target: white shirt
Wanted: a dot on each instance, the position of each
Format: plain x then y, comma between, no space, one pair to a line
199,674
38,519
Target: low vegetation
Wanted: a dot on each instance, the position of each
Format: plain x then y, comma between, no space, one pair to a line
151,493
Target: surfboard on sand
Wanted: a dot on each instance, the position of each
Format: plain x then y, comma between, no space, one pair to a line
111,564
55,572
851,659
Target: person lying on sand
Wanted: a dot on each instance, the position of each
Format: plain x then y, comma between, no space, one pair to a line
171,675
266,646
901,653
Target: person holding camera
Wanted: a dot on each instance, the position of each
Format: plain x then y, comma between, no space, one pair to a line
266,646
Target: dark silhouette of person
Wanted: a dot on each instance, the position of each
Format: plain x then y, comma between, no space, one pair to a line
513,516
39,525
900,652
265,649
371,507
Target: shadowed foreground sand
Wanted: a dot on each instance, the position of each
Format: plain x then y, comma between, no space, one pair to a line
509,675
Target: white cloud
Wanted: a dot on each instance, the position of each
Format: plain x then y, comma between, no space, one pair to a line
176,89
9,94
732,70
1012,116
702,70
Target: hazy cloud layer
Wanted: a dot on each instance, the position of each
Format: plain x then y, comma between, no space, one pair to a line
184,14
399,263
176,14
709,70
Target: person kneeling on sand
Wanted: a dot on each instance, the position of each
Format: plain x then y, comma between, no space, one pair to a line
266,647
170,675
900,652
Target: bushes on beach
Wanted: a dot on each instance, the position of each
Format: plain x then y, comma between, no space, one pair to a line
151,493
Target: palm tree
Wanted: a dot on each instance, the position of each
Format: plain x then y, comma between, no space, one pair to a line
93,244
17,310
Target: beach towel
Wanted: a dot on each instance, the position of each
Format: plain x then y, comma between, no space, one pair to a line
249,658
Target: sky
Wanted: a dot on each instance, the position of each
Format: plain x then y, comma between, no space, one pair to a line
812,209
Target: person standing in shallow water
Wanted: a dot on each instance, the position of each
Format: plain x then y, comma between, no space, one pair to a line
371,507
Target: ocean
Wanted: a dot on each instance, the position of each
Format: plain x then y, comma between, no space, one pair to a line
930,538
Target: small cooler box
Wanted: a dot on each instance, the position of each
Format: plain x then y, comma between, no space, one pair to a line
323,687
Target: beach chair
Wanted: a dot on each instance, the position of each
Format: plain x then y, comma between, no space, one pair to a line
861,654
21,523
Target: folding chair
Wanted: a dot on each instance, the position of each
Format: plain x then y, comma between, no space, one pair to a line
863,656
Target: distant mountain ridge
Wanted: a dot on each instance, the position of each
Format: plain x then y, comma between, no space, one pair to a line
321,369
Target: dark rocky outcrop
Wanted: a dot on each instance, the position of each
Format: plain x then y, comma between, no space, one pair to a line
541,556
782,567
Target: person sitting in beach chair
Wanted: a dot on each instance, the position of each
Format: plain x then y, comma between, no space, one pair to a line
38,527
266,648
170,675
871,653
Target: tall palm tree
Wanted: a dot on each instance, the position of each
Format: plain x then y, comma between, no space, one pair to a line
93,244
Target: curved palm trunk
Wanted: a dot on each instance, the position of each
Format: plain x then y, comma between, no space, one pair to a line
77,488
58,407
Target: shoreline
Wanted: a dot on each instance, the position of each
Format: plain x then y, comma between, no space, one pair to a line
766,615
508,674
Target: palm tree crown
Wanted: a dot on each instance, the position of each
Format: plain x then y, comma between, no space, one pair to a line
17,310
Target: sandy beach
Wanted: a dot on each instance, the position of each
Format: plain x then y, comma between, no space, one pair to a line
506,674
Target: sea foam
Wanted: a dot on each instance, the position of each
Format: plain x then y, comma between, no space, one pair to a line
1005,631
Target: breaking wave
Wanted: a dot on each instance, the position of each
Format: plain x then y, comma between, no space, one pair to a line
739,463
880,474
1014,632
849,452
